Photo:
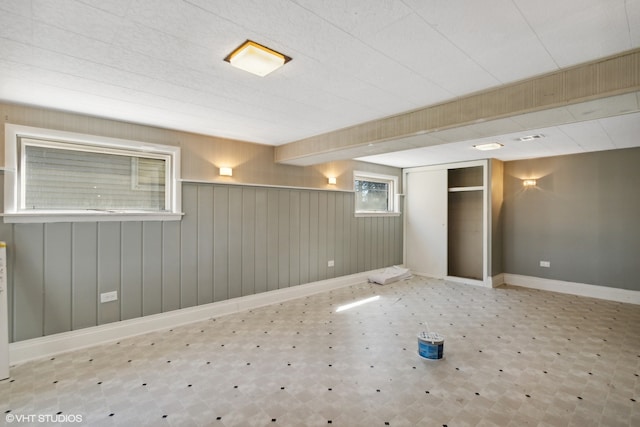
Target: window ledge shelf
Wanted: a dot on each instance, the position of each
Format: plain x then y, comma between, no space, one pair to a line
41,217
369,214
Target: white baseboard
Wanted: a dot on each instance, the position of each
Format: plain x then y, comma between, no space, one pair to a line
466,281
497,280
37,348
582,289
491,282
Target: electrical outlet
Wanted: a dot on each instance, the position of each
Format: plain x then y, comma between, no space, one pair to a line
109,296
331,263
545,264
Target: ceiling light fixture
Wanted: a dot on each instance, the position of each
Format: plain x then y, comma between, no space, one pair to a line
489,146
256,59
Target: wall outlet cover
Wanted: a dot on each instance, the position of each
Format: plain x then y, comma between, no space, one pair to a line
108,296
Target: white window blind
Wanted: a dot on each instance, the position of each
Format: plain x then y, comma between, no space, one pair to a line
72,179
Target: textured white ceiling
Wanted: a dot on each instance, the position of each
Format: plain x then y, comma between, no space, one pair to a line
160,62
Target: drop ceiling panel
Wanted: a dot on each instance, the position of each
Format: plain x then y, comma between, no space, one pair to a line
589,135
95,23
497,127
16,26
115,7
425,140
418,46
69,46
17,54
516,59
413,88
555,142
159,45
593,29
19,7
358,18
633,18
463,133
504,46
605,107
347,88
388,76
623,130
186,22
541,118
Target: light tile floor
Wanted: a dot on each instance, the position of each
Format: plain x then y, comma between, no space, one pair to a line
512,357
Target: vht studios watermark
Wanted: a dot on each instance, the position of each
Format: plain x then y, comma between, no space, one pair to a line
42,418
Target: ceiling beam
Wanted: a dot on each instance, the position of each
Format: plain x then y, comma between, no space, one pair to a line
607,77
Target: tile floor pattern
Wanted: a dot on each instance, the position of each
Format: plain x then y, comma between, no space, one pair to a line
513,357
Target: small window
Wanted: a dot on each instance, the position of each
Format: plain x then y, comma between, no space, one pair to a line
55,175
375,194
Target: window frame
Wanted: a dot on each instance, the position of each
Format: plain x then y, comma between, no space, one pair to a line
393,199
18,136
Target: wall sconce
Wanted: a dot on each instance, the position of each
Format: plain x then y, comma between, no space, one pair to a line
332,180
527,183
226,172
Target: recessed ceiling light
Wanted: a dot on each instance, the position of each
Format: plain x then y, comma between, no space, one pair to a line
256,59
489,146
530,137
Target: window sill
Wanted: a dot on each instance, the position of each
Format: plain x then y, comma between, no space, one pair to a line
46,217
376,214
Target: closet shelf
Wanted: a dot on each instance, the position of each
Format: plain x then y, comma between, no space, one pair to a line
460,189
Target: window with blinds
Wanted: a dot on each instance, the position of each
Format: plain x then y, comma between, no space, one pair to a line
58,176
58,173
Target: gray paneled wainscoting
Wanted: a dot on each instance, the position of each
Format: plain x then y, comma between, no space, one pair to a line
234,240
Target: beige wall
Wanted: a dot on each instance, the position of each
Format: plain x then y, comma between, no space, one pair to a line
202,155
582,216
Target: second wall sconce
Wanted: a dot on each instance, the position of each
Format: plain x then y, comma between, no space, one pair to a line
226,172
529,183
332,180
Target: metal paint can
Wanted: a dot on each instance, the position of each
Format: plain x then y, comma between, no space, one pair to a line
430,345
